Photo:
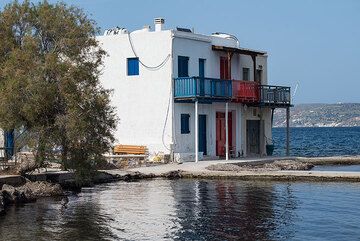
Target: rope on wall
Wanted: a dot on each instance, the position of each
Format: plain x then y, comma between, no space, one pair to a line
152,68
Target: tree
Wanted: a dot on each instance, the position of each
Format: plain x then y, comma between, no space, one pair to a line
50,64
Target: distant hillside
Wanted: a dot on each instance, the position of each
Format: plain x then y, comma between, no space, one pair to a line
320,115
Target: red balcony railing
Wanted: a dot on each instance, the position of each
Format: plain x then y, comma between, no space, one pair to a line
245,91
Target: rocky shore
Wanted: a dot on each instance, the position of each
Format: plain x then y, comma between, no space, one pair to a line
29,192
17,189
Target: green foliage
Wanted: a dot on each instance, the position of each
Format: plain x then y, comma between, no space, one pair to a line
50,64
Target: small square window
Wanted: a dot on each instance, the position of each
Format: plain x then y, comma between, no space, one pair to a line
133,66
246,73
185,127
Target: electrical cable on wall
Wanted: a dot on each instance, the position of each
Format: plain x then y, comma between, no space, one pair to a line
152,68
166,120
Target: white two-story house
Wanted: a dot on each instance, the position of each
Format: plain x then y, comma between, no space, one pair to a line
190,95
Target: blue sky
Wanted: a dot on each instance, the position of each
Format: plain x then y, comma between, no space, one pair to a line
315,43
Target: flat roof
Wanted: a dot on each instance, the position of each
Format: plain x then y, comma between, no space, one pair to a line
238,50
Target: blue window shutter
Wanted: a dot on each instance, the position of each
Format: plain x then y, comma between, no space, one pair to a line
185,127
133,66
183,66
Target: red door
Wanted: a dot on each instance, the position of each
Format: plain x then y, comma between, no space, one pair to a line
221,133
224,64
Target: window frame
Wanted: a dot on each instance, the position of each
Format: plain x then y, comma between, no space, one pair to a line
247,75
185,123
132,67
181,72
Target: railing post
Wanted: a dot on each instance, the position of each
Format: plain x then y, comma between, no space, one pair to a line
226,131
196,132
287,131
195,89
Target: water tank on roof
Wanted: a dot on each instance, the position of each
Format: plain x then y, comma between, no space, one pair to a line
225,39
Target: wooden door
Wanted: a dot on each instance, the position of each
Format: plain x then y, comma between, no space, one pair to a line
253,137
202,134
221,132
224,71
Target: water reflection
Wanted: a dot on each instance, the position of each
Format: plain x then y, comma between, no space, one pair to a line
192,210
226,209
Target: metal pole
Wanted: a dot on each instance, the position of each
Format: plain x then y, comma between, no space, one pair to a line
196,132
226,131
288,131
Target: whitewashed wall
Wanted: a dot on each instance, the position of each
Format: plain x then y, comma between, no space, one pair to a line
265,133
200,46
185,143
141,101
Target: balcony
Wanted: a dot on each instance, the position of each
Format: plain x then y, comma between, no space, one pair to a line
276,96
208,90
245,91
190,89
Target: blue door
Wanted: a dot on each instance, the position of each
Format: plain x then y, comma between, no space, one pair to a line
9,143
202,76
202,134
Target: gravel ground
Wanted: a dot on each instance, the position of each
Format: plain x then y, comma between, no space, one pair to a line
273,166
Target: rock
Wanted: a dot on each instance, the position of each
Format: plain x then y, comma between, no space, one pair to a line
16,195
26,194
29,192
104,177
289,165
9,194
26,163
43,189
271,166
174,174
133,176
225,167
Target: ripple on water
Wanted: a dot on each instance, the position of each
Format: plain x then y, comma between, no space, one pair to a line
193,210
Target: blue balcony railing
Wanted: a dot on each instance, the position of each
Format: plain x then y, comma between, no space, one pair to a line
202,88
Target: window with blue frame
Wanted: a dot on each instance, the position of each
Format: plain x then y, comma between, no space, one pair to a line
185,123
183,66
133,66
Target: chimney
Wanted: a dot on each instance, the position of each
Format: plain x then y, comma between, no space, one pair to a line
159,22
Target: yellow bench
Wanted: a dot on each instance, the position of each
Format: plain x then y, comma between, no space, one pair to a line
130,149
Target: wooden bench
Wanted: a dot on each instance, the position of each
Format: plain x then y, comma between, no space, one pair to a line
130,149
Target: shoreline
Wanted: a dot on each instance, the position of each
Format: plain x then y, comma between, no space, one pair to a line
200,170
18,192
14,189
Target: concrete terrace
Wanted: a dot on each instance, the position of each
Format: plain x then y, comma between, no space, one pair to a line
198,170
200,167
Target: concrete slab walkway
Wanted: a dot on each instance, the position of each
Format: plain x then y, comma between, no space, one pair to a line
199,166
